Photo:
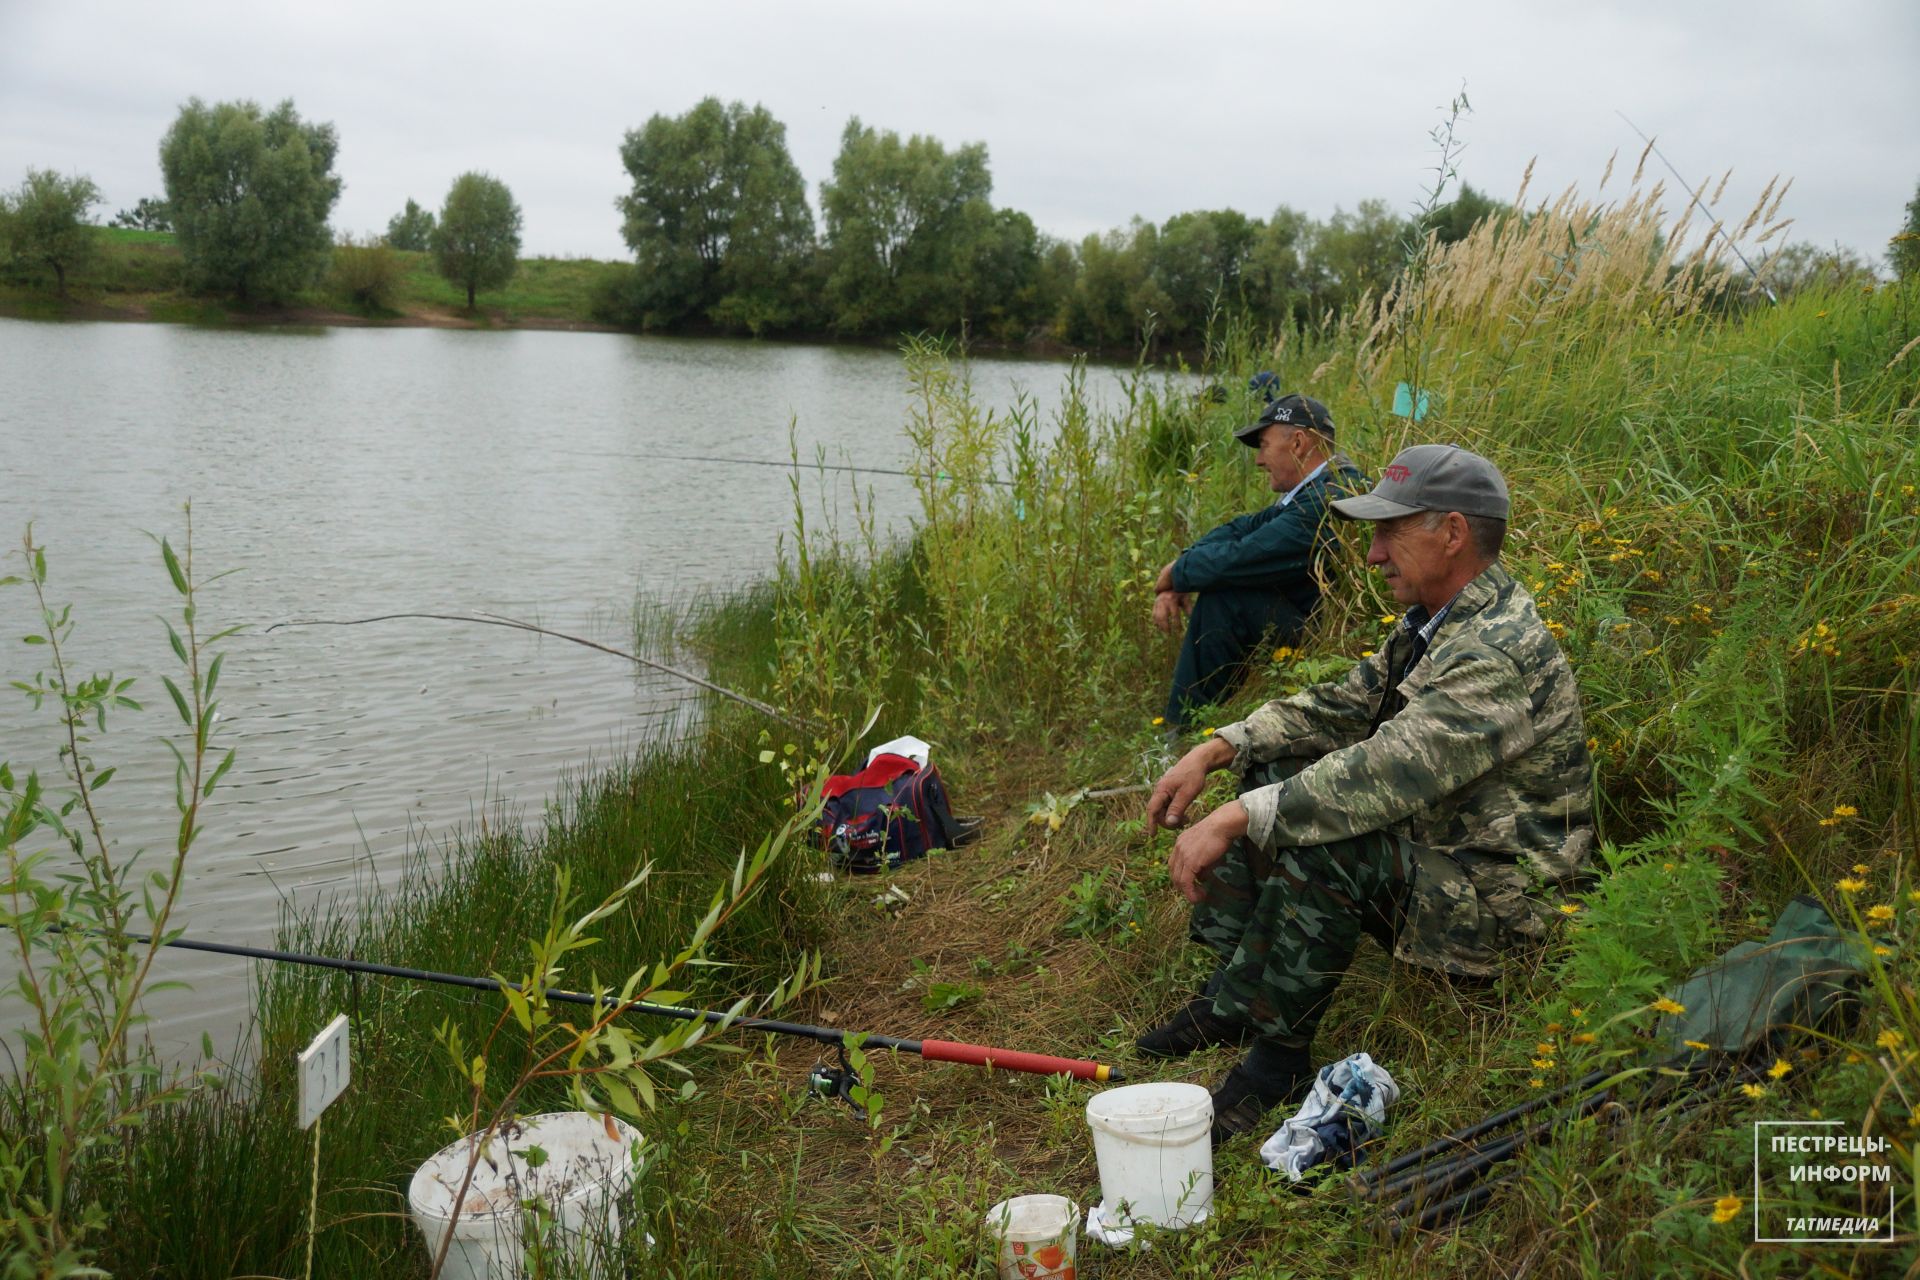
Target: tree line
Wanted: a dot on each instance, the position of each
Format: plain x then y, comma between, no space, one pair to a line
724,239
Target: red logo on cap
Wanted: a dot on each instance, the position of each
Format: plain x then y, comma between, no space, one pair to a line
1397,473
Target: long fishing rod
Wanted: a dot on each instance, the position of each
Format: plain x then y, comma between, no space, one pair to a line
977,1055
494,620
789,465
1694,203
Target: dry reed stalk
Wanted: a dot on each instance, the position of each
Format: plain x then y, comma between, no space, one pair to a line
1722,188
1638,168
1780,195
1608,172
1901,354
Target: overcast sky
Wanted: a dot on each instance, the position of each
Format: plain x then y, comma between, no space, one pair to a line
1091,112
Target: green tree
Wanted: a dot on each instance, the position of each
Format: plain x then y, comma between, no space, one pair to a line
250,193
149,213
717,218
46,224
1804,265
411,228
1462,214
1198,264
903,221
476,243
1904,249
1113,290
1361,253
1282,277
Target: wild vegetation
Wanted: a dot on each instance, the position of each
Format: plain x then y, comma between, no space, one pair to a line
1719,512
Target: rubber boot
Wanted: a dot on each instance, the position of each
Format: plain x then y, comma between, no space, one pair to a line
1270,1075
1194,1026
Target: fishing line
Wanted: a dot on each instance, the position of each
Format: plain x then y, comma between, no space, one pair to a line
1694,203
494,620
790,465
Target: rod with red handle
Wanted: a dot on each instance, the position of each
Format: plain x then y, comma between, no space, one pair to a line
978,1055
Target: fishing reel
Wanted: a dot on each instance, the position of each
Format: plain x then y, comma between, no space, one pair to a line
828,1081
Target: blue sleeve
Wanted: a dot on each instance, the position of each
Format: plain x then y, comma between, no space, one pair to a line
1268,547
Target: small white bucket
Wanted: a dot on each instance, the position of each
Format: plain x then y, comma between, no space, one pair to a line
585,1174
1153,1143
1037,1237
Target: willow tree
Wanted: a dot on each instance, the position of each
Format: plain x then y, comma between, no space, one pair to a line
250,193
476,242
717,218
45,223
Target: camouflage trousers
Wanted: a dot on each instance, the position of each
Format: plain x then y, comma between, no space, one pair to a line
1286,924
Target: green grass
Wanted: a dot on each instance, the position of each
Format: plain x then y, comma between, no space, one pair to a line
140,275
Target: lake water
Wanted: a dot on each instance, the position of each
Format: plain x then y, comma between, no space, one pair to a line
344,473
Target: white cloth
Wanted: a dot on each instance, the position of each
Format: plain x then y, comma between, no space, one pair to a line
909,746
1304,482
1356,1081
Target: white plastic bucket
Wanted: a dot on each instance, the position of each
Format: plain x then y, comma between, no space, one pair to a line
1153,1143
586,1172
1037,1237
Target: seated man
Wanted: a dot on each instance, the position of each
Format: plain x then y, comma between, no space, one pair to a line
1435,797
1255,574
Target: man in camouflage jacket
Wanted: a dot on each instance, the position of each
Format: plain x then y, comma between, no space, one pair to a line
1435,798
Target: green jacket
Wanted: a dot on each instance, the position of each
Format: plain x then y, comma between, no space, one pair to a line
1478,759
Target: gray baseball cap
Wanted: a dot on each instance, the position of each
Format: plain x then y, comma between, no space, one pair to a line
1432,477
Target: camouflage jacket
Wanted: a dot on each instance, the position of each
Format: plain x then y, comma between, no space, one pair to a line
1477,760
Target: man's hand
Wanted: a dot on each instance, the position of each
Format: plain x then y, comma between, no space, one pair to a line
1181,785
1200,849
1169,608
1164,582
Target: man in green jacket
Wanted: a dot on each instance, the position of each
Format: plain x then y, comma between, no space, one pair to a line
1255,576
1436,798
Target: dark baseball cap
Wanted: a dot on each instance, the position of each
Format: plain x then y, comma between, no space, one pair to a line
1288,411
1432,477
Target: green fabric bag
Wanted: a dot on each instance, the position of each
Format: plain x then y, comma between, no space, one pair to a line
1797,978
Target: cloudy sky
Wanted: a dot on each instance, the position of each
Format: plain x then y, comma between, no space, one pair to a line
1091,112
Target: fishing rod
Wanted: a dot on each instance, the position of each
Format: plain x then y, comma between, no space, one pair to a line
790,465
1694,203
977,1055
495,620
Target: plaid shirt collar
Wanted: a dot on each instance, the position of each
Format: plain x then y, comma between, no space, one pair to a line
1421,625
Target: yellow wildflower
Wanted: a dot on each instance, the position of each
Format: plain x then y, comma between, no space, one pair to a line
1544,1047
1569,908
1726,1209
1855,1059
1579,1014
1861,869
1542,1064
1585,1037
1754,1090
1665,1005
1158,721
1536,1083
1701,1045
1845,811
1848,884
1593,744
1554,1028
1882,952
1207,732
1914,896
1890,1039
1366,653
1282,653
1779,1068
1880,913
1388,619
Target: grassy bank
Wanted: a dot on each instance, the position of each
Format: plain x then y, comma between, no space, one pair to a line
1719,514
139,275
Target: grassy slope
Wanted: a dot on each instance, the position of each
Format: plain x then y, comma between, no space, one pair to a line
138,276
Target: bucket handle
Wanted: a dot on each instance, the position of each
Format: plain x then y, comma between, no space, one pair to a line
1144,1139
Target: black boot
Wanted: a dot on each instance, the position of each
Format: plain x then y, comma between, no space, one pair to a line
1193,1026
1270,1075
